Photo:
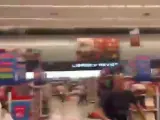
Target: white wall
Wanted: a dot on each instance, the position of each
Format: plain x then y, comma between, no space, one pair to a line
62,48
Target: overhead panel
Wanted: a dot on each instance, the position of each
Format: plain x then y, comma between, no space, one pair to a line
79,13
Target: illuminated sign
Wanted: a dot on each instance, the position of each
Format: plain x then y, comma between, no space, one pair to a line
93,65
71,66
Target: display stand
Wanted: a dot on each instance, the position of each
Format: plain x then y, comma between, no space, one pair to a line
36,102
19,107
12,74
39,110
45,99
150,107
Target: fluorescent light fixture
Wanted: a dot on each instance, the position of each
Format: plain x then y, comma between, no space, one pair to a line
67,74
85,19
80,6
134,6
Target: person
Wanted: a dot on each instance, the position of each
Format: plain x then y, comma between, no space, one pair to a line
4,115
83,94
61,91
116,105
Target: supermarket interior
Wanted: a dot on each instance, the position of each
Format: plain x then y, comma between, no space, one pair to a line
79,60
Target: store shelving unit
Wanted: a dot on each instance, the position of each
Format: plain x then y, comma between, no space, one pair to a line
44,105
37,105
151,109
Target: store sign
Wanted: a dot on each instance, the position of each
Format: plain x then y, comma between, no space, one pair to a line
143,68
20,110
93,65
71,66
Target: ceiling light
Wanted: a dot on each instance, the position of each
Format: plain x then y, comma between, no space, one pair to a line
81,19
80,6
134,6
117,6
152,6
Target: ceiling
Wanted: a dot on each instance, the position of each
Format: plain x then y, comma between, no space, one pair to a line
79,13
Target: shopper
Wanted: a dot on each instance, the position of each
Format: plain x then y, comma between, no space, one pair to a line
61,91
83,94
105,85
116,105
4,113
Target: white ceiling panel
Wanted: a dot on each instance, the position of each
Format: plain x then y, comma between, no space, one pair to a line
84,13
80,13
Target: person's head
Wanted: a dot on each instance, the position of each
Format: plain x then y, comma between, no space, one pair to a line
118,82
4,104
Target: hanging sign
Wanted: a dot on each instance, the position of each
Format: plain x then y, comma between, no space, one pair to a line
135,37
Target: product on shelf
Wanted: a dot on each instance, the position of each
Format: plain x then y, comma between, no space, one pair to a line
149,102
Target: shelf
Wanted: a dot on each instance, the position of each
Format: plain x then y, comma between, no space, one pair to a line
145,110
146,95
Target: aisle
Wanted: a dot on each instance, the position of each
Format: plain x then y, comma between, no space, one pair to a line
83,110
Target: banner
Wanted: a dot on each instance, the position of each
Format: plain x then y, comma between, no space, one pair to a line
143,68
21,110
11,71
97,49
135,37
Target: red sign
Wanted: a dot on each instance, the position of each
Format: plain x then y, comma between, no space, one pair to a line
20,111
135,38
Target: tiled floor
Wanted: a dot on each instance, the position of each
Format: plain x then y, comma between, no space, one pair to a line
70,109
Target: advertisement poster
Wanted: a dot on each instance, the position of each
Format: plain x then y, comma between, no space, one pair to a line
97,49
135,37
143,68
21,110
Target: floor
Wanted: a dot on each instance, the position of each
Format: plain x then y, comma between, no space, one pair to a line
69,110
